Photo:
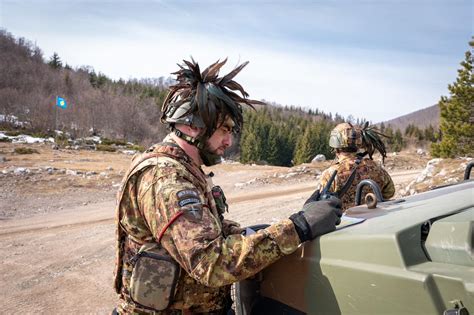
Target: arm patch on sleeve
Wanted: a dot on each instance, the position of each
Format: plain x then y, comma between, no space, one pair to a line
186,193
193,212
190,202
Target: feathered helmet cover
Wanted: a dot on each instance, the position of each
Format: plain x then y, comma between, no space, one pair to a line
347,137
204,99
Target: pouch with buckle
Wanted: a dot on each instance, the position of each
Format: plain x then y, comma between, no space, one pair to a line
154,278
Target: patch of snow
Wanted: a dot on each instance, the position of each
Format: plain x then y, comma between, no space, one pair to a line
95,139
25,139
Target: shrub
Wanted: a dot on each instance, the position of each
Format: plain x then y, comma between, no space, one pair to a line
41,134
106,141
135,147
106,148
61,140
14,133
23,150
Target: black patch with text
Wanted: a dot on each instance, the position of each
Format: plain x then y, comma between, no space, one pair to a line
188,201
187,193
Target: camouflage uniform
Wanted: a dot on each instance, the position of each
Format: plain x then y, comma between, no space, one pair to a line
367,169
210,251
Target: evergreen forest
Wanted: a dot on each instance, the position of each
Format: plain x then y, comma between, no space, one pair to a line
130,110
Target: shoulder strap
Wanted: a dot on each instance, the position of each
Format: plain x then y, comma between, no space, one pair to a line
351,178
119,232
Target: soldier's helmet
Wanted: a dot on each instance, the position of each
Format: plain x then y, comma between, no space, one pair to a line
346,136
182,115
350,138
205,100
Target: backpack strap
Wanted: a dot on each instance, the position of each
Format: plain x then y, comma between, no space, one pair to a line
138,163
351,178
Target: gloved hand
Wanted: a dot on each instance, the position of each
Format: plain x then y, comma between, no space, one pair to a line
317,218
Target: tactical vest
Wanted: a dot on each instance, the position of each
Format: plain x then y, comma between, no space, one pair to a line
150,158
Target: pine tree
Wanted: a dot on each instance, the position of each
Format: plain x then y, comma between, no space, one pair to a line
456,111
249,151
272,154
397,141
430,133
303,152
55,62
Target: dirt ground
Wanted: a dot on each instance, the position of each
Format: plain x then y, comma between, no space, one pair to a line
56,219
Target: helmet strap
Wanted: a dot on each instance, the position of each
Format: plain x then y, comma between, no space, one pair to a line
194,141
208,158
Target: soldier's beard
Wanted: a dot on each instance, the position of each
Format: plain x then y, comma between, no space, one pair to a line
209,158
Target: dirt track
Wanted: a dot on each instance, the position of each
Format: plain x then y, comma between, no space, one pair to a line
57,230
62,261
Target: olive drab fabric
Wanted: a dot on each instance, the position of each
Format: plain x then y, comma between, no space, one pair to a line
367,169
210,251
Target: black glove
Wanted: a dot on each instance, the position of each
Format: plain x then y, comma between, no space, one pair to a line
317,218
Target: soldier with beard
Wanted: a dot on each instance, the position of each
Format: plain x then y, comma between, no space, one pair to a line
176,254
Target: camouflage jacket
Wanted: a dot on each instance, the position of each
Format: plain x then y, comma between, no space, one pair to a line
367,169
210,251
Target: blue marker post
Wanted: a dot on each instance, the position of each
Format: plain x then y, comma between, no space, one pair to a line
61,103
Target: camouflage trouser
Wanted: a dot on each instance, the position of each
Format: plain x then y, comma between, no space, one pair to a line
128,308
179,312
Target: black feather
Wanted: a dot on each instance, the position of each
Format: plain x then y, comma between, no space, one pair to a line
212,98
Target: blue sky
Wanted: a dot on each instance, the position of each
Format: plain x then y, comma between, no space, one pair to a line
372,59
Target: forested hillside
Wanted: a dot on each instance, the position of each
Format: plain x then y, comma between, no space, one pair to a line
130,110
283,136
29,85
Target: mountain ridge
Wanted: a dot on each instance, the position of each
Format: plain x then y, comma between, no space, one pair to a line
421,118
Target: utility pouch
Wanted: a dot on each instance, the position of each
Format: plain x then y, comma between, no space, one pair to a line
154,278
219,198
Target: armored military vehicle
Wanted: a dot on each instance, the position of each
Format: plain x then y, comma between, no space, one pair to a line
407,256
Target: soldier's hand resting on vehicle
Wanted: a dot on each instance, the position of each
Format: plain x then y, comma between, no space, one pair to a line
317,218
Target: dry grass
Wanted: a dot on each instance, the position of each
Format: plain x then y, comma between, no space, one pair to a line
82,160
23,150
